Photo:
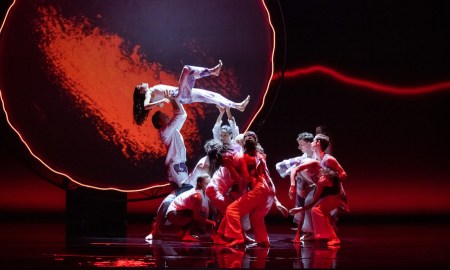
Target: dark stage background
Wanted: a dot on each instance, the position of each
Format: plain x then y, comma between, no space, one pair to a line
394,146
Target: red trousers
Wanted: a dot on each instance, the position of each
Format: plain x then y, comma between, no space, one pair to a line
321,216
253,203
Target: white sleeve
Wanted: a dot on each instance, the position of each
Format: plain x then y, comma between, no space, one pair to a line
234,127
176,122
216,130
284,167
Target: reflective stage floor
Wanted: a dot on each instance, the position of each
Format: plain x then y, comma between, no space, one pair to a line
367,243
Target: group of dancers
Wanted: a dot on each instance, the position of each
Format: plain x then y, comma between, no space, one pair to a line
230,188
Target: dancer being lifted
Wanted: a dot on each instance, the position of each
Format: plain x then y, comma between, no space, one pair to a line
145,97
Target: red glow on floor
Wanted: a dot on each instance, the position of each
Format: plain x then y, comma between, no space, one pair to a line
122,262
397,90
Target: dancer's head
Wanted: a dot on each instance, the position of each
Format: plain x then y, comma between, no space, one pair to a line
322,129
321,141
139,112
240,139
304,141
160,119
226,134
251,142
215,150
203,181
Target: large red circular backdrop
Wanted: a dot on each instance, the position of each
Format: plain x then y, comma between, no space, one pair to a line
68,69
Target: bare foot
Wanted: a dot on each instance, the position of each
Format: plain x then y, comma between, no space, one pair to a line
297,237
283,210
249,240
264,244
241,106
308,237
334,242
216,70
190,238
149,237
218,240
155,233
236,242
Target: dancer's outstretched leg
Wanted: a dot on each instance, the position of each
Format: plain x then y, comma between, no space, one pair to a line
298,234
188,94
241,106
160,218
205,96
216,70
190,73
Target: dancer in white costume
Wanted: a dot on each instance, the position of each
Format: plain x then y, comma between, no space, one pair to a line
301,185
227,133
206,165
146,97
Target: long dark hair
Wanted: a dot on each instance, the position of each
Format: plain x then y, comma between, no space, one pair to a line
215,150
139,112
201,179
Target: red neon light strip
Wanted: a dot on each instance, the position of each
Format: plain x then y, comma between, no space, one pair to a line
271,71
289,75
61,173
40,160
416,90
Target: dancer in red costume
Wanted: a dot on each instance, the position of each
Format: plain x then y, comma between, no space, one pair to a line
190,209
256,202
328,174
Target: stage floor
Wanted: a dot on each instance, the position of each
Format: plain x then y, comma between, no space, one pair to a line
376,243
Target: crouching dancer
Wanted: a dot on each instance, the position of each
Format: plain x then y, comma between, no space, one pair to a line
190,210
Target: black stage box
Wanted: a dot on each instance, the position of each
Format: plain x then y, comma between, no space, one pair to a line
95,213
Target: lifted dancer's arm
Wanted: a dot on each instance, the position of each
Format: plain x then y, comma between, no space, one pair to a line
216,128
149,105
149,97
232,122
178,119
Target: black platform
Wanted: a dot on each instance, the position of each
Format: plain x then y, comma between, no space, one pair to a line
367,243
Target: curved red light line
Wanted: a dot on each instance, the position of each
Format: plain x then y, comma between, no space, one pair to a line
416,90
272,67
61,173
117,189
45,164
288,74
6,15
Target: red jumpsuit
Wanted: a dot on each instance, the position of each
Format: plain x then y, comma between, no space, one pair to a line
254,202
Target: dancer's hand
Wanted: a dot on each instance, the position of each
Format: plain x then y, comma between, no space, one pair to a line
168,94
295,210
283,210
211,222
292,192
221,109
162,101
